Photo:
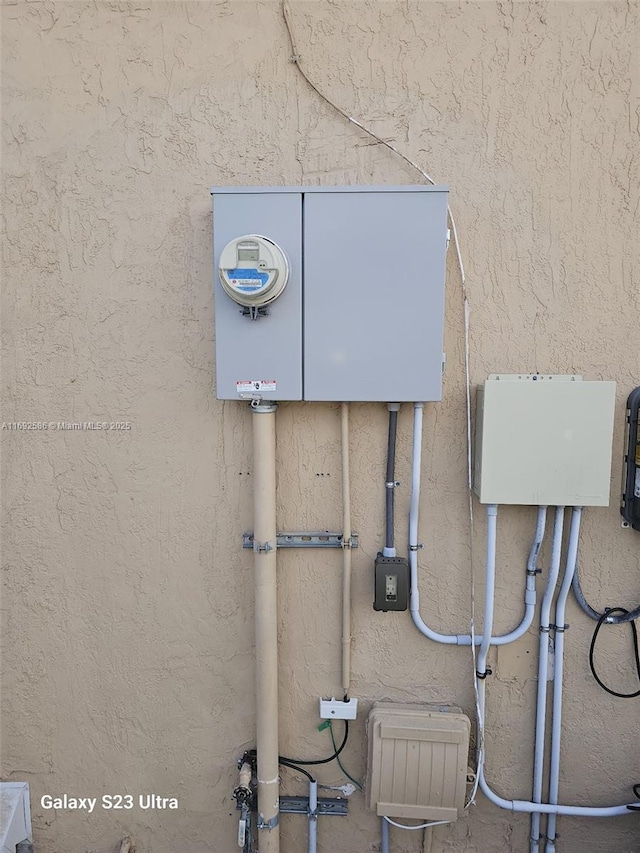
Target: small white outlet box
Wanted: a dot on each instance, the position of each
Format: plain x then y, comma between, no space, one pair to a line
336,709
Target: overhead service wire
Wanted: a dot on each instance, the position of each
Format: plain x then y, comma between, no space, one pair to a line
295,58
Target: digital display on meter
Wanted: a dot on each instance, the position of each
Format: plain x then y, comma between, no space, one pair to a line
253,270
248,252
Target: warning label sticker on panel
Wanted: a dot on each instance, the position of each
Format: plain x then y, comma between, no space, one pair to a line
256,386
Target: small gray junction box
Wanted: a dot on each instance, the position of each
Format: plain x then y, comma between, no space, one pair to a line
361,316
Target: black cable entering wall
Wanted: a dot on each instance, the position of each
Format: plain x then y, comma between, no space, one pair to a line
625,615
601,621
293,766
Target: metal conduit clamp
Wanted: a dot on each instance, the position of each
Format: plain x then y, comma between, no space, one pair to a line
483,675
268,824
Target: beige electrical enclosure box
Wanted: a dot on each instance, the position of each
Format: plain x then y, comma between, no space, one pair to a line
544,440
418,757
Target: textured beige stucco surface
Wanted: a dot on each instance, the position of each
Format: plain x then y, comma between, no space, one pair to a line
127,601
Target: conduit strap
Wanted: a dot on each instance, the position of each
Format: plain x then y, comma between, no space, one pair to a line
268,824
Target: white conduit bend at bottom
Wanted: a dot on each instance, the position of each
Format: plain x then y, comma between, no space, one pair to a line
530,590
521,806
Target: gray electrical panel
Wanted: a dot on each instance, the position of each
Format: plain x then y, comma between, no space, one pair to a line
362,315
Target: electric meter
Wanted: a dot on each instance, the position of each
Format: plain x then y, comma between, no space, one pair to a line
253,270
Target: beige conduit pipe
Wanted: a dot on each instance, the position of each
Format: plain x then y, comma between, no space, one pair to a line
346,551
266,624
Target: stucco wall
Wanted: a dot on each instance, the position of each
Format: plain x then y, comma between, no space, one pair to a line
127,605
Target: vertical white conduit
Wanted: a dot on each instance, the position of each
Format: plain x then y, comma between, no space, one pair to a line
346,551
266,623
489,595
556,719
313,816
384,835
543,669
534,808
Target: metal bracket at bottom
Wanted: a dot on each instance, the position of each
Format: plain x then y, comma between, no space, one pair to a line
268,824
323,539
326,806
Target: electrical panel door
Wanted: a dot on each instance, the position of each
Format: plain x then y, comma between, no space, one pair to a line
374,268
262,356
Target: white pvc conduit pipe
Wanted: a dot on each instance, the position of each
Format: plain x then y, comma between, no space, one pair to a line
414,606
313,816
490,590
526,807
560,627
266,628
520,806
346,551
543,669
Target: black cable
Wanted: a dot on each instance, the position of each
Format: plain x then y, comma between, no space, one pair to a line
636,653
391,478
627,616
287,761
294,763
293,766
636,791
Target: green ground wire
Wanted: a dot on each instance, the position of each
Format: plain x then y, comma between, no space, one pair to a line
348,775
